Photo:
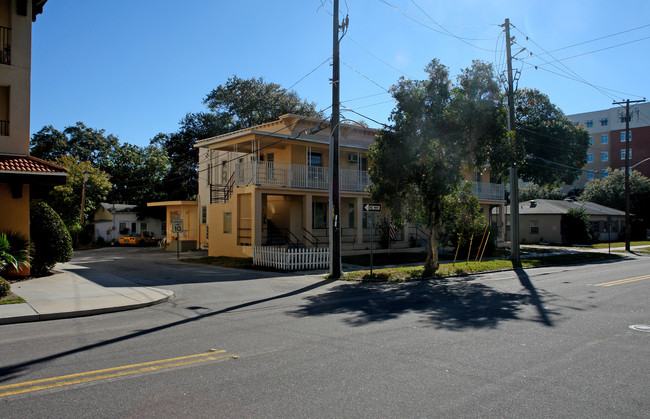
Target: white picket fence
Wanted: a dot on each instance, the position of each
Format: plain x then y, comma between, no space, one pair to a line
291,259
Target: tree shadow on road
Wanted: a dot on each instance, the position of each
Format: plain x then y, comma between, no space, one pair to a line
12,371
453,304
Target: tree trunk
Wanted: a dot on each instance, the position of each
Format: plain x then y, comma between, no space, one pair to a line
432,263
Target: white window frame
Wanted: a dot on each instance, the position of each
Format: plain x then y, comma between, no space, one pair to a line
604,156
604,139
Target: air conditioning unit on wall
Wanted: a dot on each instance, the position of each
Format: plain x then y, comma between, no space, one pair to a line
353,158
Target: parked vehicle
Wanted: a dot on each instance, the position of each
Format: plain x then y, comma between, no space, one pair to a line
137,239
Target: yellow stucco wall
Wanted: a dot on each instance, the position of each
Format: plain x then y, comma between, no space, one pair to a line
14,212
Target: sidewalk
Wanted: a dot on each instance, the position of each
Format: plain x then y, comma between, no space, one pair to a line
66,294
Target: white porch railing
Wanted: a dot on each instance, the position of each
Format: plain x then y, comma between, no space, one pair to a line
291,259
485,190
288,175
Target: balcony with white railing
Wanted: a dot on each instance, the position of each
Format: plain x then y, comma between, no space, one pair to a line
491,191
300,176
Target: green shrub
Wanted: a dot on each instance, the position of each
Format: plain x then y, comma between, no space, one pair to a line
50,238
5,288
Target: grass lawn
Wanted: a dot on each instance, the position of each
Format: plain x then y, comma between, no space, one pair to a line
401,274
620,244
11,299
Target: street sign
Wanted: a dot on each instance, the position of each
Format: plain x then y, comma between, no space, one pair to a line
177,226
372,207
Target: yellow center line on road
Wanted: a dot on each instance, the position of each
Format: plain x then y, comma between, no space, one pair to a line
84,377
622,281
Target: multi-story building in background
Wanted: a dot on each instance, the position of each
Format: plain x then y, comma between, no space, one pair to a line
21,176
607,141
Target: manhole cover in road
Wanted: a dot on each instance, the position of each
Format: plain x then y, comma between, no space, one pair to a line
641,327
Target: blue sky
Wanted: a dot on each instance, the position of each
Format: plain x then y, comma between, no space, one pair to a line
136,67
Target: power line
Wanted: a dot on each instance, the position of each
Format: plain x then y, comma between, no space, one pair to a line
598,39
465,40
379,59
308,74
366,77
571,71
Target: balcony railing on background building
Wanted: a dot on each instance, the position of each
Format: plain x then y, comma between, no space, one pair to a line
485,190
4,128
5,45
300,176
288,175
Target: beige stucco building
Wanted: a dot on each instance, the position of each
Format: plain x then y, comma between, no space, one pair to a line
269,186
21,176
542,220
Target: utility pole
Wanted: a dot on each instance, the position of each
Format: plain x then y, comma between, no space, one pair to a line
514,178
83,198
335,202
628,227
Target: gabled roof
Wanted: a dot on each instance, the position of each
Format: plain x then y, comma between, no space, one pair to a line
551,206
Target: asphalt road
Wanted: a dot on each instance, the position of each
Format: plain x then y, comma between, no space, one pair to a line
546,342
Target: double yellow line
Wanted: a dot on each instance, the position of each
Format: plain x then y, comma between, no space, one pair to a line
622,281
84,377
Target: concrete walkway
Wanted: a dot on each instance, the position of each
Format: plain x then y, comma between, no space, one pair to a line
66,294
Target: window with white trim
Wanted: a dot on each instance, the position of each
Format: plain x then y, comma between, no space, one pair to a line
604,156
623,136
604,139
590,174
590,157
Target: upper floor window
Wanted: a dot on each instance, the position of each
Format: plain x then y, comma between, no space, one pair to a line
589,124
623,154
604,173
604,139
604,156
623,136
590,174
625,119
4,110
590,157
5,45
603,122
591,140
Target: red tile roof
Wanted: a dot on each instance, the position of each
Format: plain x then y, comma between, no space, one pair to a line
28,164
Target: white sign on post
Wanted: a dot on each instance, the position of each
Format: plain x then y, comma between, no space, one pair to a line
177,226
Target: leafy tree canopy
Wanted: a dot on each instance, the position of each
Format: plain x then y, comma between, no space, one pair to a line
548,148
66,199
610,191
250,102
85,143
138,174
534,191
437,129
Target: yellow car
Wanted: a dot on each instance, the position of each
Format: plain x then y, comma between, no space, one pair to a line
136,239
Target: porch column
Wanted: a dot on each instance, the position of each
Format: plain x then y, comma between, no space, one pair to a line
307,215
358,219
256,217
502,215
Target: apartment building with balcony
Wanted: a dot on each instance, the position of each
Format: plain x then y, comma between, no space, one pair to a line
21,176
269,186
607,140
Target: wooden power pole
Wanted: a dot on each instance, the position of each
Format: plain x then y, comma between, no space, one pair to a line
335,201
514,178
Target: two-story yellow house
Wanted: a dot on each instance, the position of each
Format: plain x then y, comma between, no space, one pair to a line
21,176
268,185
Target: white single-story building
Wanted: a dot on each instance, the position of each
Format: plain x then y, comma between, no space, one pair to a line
115,220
